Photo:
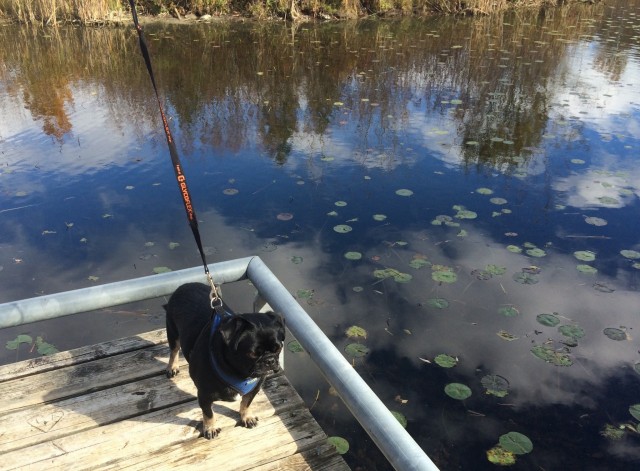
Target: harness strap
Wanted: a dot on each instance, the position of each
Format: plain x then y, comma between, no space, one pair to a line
241,385
175,160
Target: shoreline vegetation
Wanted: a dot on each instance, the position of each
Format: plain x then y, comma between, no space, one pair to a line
114,12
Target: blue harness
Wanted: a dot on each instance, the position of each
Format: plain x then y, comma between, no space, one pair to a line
241,385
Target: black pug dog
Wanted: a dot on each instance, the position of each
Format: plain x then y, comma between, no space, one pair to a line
228,354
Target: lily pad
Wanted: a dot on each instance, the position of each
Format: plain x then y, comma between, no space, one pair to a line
418,263
340,203
295,347
463,213
595,221
588,269
514,249
445,361
444,276
404,192
296,259
571,330
634,410
356,350
517,443
353,255
496,270
230,191
158,270
615,334
498,201
536,252
550,320
525,278
379,217
484,191
355,331
304,293
551,356
400,417
457,391
284,217
20,339
438,303
340,444
630,254
585,255
342,228
495,385
508,311
501,457
45,348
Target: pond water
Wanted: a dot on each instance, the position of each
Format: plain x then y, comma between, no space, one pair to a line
463,190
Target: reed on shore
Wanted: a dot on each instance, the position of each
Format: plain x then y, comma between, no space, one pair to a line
52,12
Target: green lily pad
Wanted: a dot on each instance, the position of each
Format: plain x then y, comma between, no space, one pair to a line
45,348
525,278
158,270
615,334
514,249
608,200
634,410
438,303
585,255
631,254
379,217
296,259
418,263
463,213
340,444
230,191
495,385
551,356
484,191
549,320
342,228
595,221
536,252
496,270
457,391
444,276
304,293
20,339
612,432
174,245
353,255
445,361
340,203
295,347
501,457
355,331
404,192
573,331
356,350
508,311
517,443
498,201
588,269
400,417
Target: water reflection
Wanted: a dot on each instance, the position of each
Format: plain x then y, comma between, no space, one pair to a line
540,109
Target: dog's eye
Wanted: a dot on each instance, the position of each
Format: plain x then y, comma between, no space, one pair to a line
253,355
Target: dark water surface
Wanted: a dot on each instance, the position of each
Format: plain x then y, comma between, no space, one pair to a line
515,141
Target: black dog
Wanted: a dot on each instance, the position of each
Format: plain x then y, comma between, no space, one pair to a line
228,354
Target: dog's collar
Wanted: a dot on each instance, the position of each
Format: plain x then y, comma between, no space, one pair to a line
241,385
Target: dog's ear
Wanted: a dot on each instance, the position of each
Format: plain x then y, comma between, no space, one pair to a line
232,328
276,317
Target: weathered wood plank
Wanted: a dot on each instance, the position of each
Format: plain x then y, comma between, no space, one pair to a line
45,422
81,355
85,377
319,458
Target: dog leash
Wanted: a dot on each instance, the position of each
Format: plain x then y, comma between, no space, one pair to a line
216,301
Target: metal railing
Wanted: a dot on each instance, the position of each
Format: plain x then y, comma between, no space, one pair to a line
391,438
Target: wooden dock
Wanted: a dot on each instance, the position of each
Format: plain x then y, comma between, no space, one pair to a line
110,406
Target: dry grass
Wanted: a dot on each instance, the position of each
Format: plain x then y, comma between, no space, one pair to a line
51,12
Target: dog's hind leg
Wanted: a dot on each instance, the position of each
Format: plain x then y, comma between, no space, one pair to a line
174,346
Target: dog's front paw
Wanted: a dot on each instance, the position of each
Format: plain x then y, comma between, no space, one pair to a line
249,422
211,433
171,372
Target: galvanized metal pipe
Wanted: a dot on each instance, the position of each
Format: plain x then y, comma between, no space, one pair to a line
396,444
122,292
392,439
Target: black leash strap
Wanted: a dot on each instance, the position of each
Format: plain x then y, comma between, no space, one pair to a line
175,159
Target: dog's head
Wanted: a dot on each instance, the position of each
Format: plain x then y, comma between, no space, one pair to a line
253,343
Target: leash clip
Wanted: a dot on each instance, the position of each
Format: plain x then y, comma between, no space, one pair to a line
214,297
